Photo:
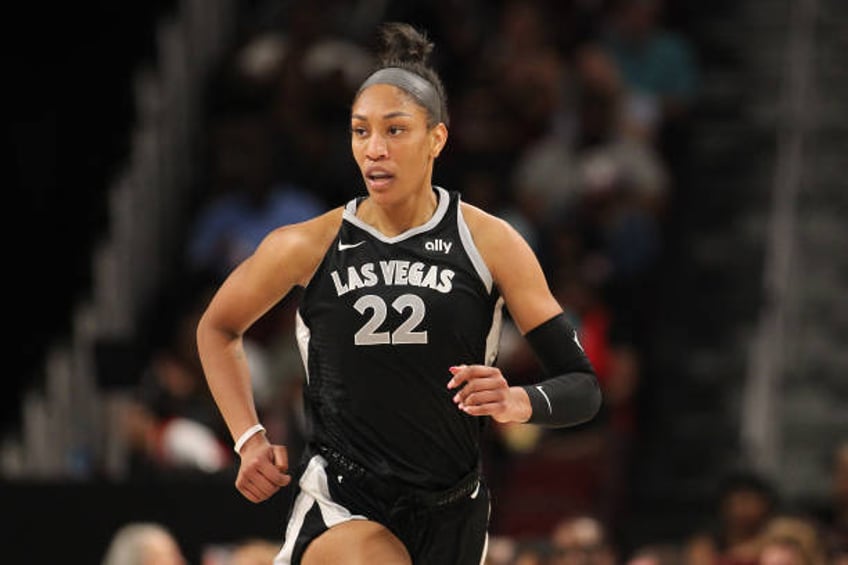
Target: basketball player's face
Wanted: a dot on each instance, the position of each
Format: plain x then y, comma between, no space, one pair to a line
392,144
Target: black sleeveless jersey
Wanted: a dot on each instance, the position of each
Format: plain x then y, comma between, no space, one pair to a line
379,325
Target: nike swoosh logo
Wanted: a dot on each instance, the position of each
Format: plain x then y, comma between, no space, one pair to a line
476,490
343,246
548,400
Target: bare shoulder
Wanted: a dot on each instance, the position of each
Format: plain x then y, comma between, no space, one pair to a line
300,247
492,235
514,266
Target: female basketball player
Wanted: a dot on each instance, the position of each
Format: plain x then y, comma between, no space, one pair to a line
398,326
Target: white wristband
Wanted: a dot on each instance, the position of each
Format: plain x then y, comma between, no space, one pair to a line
249,433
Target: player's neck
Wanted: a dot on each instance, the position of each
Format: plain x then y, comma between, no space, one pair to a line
395,218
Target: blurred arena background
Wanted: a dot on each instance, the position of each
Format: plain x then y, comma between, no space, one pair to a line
677,165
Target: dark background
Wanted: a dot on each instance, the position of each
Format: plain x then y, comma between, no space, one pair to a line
70,67
62,523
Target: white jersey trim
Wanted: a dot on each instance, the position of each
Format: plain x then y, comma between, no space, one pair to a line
313,490
349,214
472,251
303,334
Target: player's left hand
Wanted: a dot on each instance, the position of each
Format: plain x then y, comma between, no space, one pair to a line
486,392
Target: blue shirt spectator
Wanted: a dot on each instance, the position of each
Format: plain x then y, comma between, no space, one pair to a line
653,61
230,227
249,197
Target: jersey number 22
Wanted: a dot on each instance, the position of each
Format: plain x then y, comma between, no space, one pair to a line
404,334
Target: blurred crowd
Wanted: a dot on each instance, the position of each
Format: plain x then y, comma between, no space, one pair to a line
569,119
750,525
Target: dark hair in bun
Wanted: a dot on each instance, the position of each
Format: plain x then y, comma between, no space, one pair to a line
403,46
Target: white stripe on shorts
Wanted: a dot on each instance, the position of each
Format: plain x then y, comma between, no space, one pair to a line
313,490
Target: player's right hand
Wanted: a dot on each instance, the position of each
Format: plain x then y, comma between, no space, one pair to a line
263,469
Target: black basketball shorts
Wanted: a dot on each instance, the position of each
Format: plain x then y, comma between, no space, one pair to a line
449,528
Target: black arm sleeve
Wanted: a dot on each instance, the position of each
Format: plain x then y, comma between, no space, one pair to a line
572,395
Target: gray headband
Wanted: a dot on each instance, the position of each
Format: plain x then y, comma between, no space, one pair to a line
415,85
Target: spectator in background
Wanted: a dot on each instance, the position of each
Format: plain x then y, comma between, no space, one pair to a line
526,66
745,503
581,540
172,424
510,551
660,70
254,552
143,543
507,96
664,553
248,199
658,65
792,540
834,516
311,91
591,164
